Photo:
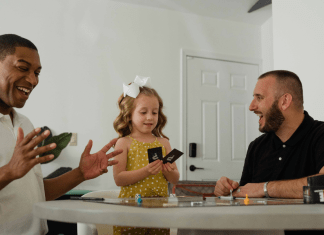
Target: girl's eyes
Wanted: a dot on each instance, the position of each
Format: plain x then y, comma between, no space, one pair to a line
145,113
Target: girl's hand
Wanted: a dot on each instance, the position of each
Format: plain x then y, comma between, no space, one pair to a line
154,167
168,167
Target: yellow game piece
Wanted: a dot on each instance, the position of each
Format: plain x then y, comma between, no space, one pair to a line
246,200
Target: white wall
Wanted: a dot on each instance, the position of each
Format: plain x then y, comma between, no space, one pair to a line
298,37
88,48
267,45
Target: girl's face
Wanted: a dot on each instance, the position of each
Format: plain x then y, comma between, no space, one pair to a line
145,115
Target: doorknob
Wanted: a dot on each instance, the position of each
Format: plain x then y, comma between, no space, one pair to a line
193,168
192,150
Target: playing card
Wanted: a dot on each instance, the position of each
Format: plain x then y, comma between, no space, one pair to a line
154,154
172,156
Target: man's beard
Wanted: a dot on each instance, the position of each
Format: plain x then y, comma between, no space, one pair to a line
273,119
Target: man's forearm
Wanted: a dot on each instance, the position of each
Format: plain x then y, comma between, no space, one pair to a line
287,188
56,187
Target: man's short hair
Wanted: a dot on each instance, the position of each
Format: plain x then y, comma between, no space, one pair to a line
9,42
288,82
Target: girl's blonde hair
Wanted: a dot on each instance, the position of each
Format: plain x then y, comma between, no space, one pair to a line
123,123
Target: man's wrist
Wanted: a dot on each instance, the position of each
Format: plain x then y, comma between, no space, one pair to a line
265,189
80,174
6,176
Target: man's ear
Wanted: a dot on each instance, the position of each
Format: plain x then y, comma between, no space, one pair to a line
285,101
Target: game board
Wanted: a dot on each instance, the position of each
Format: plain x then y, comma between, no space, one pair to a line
169,202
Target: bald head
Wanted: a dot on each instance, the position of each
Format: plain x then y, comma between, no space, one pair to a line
287,82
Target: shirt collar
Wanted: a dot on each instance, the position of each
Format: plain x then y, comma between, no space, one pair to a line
301,131
16,118
14,115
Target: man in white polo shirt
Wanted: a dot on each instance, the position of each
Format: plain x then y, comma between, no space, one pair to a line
21,180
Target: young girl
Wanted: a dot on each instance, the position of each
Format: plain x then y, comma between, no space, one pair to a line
139,125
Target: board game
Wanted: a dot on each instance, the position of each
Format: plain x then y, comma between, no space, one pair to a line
169,202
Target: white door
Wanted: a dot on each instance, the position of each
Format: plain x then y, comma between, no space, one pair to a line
218,117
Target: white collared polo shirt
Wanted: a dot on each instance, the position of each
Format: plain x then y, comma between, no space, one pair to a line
18,197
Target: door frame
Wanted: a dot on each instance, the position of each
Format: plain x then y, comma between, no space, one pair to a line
183,90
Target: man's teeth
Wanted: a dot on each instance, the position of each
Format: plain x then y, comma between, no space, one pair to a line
260,116
23,89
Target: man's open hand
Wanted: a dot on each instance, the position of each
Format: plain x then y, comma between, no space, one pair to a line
25,154
93,165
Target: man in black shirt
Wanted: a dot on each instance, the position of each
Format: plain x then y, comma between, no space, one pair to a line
278,162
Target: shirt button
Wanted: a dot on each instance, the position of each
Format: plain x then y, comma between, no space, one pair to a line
284,146
280,158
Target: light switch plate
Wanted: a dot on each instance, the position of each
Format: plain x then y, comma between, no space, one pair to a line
74,140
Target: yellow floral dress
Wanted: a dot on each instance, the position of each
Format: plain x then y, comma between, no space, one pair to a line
151,186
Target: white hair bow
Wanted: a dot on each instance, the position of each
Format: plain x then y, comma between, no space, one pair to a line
133,90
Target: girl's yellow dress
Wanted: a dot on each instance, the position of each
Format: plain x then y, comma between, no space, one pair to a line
151,186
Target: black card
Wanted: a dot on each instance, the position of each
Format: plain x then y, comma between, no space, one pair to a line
154,154
172,156
317,180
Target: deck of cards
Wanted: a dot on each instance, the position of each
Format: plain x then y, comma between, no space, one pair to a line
156,154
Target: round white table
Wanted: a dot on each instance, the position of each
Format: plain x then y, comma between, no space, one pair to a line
268,217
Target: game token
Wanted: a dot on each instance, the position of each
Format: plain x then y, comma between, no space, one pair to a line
138,198
230,197
246,200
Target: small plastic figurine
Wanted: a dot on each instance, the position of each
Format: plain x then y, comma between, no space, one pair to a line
138,198
246,200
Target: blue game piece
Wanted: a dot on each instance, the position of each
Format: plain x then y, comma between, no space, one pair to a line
139,198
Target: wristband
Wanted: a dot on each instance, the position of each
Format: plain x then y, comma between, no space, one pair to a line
266,190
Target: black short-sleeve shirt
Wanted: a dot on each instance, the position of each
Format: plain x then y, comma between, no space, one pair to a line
269,159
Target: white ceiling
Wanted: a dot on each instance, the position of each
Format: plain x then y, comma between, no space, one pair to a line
233,10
